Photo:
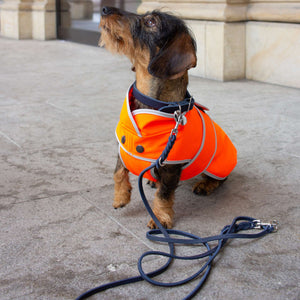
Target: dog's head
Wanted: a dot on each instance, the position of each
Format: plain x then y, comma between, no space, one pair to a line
158,42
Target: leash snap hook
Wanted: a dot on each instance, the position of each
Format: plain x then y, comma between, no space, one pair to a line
179,117
258,224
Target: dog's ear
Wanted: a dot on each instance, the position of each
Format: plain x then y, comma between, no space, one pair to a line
175,58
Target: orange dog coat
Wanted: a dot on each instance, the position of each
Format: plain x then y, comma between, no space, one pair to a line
201,145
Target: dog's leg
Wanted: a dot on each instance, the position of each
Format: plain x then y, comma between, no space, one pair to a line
207,185
122,185
163,210
168,178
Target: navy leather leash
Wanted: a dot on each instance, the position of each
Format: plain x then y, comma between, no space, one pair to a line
164,235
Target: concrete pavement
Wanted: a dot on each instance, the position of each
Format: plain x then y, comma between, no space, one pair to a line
59,104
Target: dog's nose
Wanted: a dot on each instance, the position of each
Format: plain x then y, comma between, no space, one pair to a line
107,11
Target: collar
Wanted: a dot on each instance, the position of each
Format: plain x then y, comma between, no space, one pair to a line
168,107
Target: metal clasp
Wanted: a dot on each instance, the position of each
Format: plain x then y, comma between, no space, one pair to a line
180,120
258,224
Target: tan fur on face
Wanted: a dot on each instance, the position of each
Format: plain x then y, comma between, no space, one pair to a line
116,37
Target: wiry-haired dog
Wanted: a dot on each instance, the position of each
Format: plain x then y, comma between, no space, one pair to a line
161,50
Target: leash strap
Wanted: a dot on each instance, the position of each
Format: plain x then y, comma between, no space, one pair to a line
164,235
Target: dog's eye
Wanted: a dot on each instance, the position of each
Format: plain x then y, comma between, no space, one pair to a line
150,22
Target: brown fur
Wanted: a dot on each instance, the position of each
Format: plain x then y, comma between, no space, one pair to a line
161,57
122,186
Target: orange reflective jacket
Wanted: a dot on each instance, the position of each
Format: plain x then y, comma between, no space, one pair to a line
201,145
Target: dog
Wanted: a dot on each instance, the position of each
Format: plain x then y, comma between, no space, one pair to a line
161,49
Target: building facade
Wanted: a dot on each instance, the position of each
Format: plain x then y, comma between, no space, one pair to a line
236,39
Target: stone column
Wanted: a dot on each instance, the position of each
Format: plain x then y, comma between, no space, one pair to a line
81,9
26,19
16,18
219,30
44,19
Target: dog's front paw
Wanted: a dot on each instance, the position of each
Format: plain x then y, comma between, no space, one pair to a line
121,199
119,204
165,219
151,224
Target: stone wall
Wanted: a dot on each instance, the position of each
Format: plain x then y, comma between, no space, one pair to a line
273,53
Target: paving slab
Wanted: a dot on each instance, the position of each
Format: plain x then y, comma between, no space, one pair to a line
59,105
43,258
